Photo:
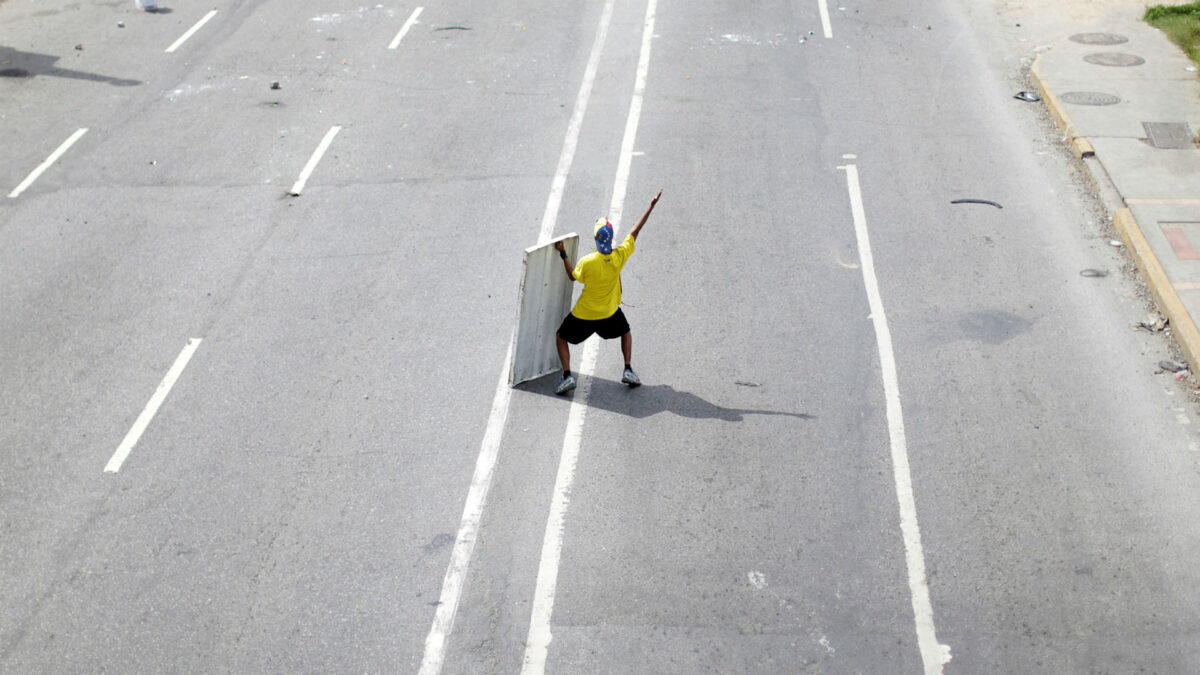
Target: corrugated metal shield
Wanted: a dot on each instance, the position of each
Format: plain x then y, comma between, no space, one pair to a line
545,298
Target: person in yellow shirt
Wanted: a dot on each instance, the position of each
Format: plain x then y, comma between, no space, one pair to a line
598,309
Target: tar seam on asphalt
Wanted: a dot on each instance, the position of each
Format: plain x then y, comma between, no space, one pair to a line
976,201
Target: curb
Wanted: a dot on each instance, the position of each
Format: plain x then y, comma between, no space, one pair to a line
1187,336
1056,106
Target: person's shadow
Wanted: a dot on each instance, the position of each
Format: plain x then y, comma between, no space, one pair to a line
648,400
15,64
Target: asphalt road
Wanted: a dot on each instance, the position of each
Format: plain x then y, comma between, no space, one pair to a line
300,499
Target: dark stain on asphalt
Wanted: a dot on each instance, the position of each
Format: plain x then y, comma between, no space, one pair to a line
993,326
439,542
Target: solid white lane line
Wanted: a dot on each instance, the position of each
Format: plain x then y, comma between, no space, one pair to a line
823,5
537,644
160,395
191,31
46,164
312,161
404,30
933,655
625,160
567,157
468,529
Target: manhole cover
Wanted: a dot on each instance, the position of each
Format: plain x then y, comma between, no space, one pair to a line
14,72
1089,98
1107,39
1114,59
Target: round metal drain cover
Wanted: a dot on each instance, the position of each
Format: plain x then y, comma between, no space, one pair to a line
1107,39
1089,98
1114,59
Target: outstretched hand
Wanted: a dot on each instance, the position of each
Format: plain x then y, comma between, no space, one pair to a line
642,221
558,245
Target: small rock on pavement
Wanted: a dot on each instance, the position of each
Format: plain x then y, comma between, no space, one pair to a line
1172,366
1153,324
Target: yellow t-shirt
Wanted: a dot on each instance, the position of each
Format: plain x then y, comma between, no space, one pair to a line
601,278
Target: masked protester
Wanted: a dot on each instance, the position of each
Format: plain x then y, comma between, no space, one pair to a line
598,309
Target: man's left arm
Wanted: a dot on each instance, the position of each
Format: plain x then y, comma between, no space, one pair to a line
637,228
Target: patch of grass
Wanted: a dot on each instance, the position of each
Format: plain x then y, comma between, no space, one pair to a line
1181,23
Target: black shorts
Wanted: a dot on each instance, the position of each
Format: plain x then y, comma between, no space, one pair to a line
576,330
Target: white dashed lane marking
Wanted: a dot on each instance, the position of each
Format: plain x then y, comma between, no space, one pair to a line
191,31
313,161
54,156
160,395
404,30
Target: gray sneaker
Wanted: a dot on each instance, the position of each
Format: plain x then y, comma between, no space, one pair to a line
565,384
630,378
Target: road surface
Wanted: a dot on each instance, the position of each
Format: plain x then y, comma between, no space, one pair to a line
255,318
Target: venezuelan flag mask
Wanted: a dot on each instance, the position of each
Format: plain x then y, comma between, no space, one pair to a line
604,236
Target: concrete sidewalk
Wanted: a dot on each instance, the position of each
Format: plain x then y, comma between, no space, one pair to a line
1125,94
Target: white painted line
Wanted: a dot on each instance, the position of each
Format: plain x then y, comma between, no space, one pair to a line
191,31
537,644
625,160
468,529
312,161
160,395
46,164
404,31
567,157
933,655
825,24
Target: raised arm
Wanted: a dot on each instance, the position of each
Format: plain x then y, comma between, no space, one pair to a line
642,221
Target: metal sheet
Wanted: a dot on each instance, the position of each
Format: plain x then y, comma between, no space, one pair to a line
545,298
